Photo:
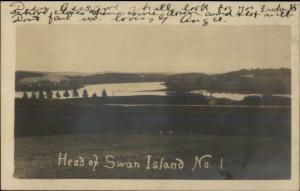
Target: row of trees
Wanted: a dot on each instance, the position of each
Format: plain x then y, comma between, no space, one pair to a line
49,94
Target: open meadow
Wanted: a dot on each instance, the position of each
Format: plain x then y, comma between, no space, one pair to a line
235,142
244,157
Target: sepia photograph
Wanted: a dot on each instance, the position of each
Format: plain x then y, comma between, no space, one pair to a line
111,95
178,102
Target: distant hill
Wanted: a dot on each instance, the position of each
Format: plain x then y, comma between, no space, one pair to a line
28,81
25,74
262,81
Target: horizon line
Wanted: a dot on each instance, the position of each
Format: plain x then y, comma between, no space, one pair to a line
104,72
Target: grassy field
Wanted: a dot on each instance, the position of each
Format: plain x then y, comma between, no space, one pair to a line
79,116
243,157
252,142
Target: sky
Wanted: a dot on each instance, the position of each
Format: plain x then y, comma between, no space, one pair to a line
155,48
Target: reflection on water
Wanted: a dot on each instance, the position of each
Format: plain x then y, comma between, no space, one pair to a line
139,88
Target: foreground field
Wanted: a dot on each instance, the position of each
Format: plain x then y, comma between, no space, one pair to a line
80,116
243,157
62,138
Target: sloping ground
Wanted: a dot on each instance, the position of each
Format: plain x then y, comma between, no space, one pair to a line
262,81
253,142
77,116
29,81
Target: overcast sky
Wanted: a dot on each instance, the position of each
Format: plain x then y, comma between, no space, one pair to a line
157,48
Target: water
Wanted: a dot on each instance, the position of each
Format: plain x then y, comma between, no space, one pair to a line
140,88
233,96
117,89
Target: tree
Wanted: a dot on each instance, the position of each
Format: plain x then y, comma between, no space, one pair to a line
104,94
58,95
85,93
41,94
94,95
25,96
75,93
66,93
213,86
33,96
49,94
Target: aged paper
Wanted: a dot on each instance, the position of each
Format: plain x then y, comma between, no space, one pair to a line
149,95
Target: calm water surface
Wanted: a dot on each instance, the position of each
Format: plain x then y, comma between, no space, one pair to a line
139,88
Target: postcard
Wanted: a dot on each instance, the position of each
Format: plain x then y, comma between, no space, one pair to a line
149,95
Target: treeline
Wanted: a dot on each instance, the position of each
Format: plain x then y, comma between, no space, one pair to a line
117,78
47,85
258,81
41,94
